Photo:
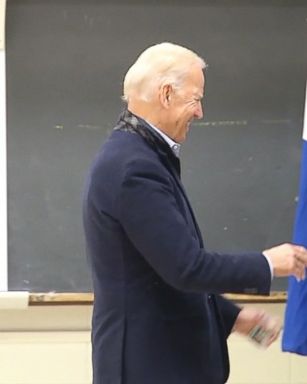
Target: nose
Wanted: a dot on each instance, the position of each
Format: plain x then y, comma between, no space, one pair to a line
199,111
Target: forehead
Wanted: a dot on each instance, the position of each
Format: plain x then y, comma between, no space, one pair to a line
195,80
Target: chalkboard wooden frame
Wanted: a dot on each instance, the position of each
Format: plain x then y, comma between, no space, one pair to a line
46,299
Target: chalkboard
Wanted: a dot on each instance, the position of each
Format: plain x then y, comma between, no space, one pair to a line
65,65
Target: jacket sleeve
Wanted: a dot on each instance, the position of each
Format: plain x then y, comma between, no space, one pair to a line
152,220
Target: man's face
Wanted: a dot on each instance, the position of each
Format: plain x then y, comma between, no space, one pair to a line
185,105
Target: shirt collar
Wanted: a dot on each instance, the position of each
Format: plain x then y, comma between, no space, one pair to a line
175,147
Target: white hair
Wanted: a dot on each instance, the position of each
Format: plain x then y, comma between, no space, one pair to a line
160,64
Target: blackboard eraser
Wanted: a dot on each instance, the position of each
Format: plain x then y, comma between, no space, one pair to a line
14,300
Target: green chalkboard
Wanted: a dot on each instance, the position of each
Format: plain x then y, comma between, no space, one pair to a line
65,64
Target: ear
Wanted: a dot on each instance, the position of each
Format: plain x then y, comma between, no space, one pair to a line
165,95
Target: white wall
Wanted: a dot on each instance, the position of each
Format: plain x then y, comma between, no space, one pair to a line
51,345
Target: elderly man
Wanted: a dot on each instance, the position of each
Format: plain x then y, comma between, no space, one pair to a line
158,314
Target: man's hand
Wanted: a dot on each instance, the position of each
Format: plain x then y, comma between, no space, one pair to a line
288,259
250,318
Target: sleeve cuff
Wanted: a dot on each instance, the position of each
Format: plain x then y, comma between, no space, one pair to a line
270,265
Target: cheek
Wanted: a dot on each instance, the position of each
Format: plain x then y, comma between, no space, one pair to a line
184,115
190,112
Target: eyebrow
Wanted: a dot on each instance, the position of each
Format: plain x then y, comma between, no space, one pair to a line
199,95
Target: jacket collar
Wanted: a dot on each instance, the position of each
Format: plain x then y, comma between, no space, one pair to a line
135,124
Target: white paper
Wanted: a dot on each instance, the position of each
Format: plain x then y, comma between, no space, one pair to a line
3,178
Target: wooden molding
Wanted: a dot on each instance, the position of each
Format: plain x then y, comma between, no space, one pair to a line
62,298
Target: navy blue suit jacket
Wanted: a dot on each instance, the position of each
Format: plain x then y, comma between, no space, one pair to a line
158,315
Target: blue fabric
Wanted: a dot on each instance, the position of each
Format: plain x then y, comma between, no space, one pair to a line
295,327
